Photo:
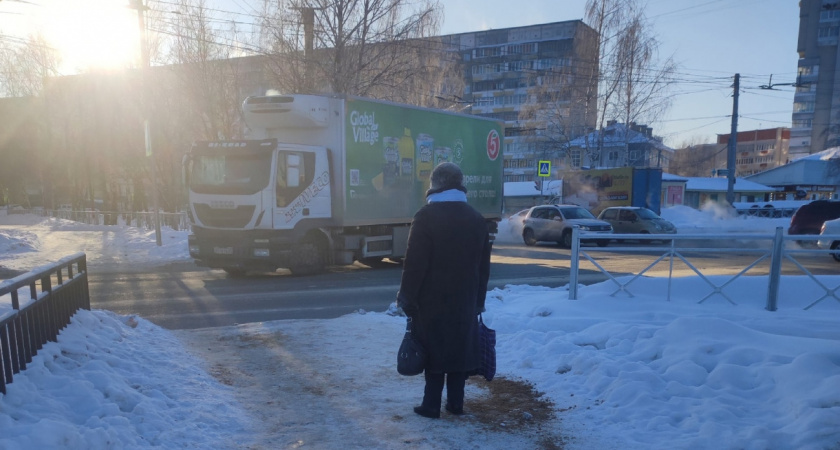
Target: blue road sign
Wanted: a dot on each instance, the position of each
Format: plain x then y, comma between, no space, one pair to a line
545,169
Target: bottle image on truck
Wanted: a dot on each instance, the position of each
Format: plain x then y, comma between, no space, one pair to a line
326,180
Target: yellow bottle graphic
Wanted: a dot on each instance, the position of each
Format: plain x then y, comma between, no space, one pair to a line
406,148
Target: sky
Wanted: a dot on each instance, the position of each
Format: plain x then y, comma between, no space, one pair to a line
621,372
710,39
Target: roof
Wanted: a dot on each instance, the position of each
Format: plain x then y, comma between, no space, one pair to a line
672,177
822,168
825,155
718,184
615,138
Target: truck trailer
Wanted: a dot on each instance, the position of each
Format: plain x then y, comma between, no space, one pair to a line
328,180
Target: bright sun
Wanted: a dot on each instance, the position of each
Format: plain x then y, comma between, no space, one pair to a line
94,33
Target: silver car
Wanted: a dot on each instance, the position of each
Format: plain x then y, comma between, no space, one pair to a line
555,222
830,227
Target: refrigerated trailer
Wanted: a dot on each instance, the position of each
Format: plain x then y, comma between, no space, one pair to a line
324,180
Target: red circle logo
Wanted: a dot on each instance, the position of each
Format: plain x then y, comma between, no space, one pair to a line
494,145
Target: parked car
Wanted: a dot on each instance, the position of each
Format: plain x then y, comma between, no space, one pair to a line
809,218
636,220
830,227
555,222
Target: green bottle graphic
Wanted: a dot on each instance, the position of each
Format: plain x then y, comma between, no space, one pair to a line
406,148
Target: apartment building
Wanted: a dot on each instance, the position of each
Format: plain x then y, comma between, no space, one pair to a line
534,78
816,103
757,150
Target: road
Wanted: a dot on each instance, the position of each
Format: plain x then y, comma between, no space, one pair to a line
182,296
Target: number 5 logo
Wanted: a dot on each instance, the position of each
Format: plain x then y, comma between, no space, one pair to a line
494,145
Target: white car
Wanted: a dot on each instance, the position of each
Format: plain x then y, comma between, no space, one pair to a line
829,228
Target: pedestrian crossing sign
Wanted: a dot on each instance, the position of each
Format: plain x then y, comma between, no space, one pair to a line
545,169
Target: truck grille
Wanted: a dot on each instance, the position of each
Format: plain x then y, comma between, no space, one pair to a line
224,218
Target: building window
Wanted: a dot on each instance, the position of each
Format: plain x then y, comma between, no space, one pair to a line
612,156
832,14
522,49
803,107
802,123
574,155
827,32
809,70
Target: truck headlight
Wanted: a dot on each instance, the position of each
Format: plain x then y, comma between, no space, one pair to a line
261,252
195,249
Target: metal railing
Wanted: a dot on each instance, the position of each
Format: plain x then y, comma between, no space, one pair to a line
176,221
55,292
775,251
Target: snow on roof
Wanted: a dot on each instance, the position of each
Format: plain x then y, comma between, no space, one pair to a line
825,155
614,136
718,184
672,177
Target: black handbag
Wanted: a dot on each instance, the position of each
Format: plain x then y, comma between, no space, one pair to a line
487,345
411,358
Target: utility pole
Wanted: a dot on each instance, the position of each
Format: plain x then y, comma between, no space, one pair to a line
733,142
144,70
307,15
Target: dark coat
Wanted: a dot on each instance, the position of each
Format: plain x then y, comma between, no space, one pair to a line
444,283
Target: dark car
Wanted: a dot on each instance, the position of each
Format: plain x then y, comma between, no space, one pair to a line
555,222
809,218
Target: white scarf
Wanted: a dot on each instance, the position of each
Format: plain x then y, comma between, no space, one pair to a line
452,195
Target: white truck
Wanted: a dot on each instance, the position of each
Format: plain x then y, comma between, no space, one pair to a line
330,180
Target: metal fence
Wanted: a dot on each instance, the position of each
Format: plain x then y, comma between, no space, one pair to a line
176,221
775,249
52,294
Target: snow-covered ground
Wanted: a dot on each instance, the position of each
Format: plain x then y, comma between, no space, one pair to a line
622,373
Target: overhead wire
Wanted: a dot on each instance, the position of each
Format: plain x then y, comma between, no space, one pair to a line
692,78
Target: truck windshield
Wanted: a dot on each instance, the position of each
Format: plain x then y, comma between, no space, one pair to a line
230,174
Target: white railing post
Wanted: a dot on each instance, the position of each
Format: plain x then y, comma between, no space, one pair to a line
775,270
574,263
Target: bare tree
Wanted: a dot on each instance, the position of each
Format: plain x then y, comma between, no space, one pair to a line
24,66
633,85
376,48
643,85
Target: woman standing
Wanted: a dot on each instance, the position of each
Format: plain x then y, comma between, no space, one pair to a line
444,285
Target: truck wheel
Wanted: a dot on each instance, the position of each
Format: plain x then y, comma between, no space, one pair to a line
308,258
529,238
835,246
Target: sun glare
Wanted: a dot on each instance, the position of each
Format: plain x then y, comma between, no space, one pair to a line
94,34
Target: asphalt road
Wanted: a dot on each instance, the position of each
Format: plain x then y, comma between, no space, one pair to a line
183,296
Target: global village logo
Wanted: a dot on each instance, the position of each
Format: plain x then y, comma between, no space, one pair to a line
365,128
458,151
